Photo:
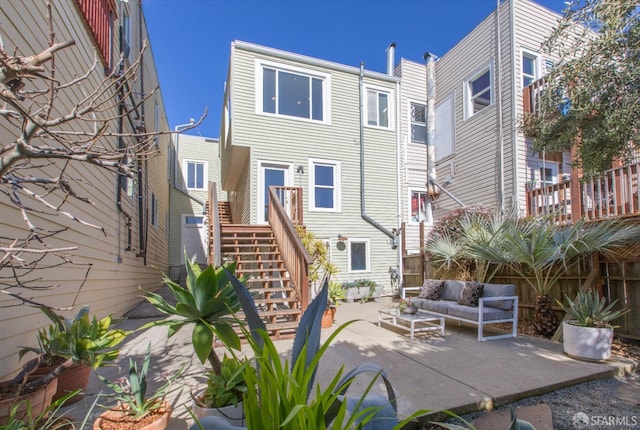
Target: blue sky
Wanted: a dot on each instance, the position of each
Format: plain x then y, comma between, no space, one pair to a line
191,39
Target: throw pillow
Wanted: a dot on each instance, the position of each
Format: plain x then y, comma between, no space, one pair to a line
471,294
431,289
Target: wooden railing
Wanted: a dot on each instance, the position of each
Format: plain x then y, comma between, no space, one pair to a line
295,256
531,96
615,194
213,236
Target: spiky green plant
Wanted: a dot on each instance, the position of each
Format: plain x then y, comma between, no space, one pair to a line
208,303
591,310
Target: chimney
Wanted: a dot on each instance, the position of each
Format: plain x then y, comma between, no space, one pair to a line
391,51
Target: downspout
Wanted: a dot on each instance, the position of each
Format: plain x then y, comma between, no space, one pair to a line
514,112
143,127
430,134
363,213
499,110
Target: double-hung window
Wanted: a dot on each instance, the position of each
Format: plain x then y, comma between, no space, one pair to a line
478,92
358,255
529,68
418,120
378,104
324,185
195,174
293,93
418,205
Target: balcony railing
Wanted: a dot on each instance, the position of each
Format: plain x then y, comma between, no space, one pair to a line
615,194
531,96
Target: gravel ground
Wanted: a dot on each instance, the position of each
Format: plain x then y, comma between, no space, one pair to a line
604,404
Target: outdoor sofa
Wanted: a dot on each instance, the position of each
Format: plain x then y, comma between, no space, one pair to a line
470,302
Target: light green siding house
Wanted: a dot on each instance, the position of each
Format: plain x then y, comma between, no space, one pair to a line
298,121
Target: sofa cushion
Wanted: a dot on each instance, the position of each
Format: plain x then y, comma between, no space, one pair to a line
439,306
499,290
431,289
471,294
452,290
469,313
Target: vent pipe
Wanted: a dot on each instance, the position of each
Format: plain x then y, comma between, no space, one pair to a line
391,53
430,134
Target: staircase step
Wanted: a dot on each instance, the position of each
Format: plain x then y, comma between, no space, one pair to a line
258,290
275,300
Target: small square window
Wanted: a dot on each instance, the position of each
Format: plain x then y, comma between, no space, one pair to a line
478,94
418,120
324,186
195,174
418,206
377,108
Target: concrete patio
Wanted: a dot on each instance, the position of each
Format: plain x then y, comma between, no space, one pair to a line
454,372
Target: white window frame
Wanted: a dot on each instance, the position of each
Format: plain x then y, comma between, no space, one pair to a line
410,214
468,100
126,33
337,188
411,122
326,90
378,91
536,66
205,174
368,256
153,210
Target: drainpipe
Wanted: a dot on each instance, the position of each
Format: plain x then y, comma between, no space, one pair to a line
498,77
363,213
430,134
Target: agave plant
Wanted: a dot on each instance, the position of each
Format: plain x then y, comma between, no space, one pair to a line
208,303
591,310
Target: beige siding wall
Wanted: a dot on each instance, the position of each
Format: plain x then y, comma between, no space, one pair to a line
533,25
116,276
296,143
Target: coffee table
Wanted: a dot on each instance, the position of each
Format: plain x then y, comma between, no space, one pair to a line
421,321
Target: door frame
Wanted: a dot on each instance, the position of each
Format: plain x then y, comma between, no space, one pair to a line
288,182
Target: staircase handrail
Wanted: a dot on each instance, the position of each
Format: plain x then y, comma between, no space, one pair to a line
213,215
294,255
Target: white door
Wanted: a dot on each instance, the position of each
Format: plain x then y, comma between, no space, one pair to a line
193,238
271,174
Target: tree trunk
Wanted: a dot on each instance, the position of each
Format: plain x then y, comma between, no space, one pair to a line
545,321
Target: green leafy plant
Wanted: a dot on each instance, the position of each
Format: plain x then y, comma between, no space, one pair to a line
336,293
84,340
227,387
208,303
279,394
131,390
591,310
51,417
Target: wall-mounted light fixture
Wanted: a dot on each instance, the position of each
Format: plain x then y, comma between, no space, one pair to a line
300,169
341,237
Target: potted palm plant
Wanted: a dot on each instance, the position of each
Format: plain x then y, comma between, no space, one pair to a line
588,333
135,408
88,342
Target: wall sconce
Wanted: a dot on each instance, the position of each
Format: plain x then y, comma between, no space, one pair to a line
300,169
341,237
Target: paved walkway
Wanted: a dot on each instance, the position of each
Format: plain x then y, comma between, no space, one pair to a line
454,372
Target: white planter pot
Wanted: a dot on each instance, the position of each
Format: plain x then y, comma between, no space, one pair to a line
355,293
234,415
587,343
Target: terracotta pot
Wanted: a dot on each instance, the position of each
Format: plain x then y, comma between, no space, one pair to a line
115,419
328,317
77,376
39,401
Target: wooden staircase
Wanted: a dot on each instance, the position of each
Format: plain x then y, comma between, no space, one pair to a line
224,213
259,260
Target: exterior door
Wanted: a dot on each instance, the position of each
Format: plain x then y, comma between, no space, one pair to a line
271,175
193,237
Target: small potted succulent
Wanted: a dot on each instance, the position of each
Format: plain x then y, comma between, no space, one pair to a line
135,408
223,393
588,333
336,293
88,342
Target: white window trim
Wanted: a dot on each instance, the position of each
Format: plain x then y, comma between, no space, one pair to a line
409,215
368,251
337,178
466,91
205,179
390,98
409,103
288,179
326,90
537,65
